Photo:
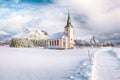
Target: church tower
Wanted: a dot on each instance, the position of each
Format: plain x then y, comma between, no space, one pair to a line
69,33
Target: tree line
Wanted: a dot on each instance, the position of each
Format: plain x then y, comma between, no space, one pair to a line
24,42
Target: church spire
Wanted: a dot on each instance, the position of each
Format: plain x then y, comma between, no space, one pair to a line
69,20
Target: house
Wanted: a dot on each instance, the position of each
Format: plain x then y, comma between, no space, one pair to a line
63,40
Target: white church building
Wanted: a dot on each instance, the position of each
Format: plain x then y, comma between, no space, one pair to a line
63,40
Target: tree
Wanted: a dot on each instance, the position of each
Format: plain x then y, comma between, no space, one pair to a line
24,42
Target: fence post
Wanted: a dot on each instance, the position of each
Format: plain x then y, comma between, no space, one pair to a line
89,56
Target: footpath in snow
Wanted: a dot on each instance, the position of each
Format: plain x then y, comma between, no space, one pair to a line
106,65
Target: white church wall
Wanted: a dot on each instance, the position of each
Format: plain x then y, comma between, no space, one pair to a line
70,36
54,46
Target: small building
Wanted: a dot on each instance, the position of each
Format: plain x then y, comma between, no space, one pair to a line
63,40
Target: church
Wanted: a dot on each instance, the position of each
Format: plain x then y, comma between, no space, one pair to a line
63,40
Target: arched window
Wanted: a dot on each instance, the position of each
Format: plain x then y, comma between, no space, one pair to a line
57,42
50,43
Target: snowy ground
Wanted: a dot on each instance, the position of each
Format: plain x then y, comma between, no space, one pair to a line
46,64
106,64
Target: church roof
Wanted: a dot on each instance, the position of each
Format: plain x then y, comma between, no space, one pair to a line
57,35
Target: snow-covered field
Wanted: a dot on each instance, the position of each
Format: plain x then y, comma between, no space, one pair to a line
46,64
40,64
106,64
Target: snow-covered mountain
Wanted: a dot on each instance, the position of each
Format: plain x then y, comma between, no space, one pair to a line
3,33
89,39
114,43
32,33
29,33
85,38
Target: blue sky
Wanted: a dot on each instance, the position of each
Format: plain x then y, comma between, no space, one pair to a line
28,1
37,1
95,17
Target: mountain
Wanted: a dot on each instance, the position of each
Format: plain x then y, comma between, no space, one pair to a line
89,39
115,43
29,33
3,35
32,33
85,38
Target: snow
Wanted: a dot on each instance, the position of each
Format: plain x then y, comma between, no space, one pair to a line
27,32
87,37
106,65
57,35
3,33
43,64
50,64
32,33
117,51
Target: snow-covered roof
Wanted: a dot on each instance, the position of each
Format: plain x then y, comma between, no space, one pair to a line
57,35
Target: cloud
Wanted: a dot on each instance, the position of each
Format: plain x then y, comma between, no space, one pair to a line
100,13
16,1
110,37
37,1
98,17
43,17
28,1
13,20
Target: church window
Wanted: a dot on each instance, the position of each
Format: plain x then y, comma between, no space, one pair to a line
54,43
57,42
50,43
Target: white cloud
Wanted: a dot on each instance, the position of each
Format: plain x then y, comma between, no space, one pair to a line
49,18
3,10
13,20
88,16
17,1
102,15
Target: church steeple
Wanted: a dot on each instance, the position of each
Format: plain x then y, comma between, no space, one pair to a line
69,33
69,20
